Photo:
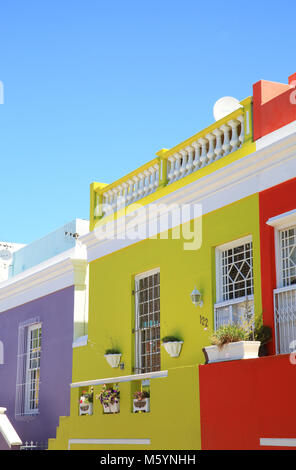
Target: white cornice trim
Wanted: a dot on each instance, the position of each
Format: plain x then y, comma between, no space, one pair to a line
260,170
283,221
52,275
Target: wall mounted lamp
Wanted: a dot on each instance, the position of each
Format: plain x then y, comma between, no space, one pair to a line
196,297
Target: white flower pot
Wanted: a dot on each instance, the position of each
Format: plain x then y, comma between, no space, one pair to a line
111,408
85,409
141,405
232,351
113,359
173,348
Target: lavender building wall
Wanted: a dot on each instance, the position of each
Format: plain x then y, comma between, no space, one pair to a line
55,312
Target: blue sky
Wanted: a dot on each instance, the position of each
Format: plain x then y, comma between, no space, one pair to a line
92,89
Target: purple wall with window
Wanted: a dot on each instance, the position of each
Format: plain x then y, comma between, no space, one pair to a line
55,313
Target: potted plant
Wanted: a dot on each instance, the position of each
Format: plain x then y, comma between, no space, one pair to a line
109,398
172,345
262,333
231,342
141,401
86,403
113,357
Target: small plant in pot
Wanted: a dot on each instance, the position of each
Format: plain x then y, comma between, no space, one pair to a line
262,333
109,398
172,345
231,342
86,403
230,333
141,401
113,357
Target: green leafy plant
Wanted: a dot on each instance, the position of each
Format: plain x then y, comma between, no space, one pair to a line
112,351
169,339
262,333
109,395
230,333
140,395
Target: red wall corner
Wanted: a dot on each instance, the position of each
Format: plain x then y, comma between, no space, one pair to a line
272,106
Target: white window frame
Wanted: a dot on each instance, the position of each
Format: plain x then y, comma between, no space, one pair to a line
219,277
278,255
23,381
138,355
283,296
28,409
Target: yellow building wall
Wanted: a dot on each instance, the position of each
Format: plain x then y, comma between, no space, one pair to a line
174,421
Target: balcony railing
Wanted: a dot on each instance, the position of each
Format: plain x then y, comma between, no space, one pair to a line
213,143
285,319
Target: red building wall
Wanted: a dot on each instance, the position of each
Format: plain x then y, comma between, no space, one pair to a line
243,401
272,202
273,106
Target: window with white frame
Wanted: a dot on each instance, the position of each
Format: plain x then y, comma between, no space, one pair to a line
147,322
285,293
235,289
287,241
28,368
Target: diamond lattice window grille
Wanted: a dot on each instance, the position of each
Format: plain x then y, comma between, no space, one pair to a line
237,272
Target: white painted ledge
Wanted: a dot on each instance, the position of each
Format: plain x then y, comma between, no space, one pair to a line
278,442
109,441
81,341
7,430
284,220
123,378
276,135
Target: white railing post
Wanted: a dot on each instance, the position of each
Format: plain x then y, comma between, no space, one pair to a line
211,153
203,157
234,142
218,147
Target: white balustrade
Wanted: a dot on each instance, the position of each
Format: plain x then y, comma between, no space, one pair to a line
132,190
214,145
